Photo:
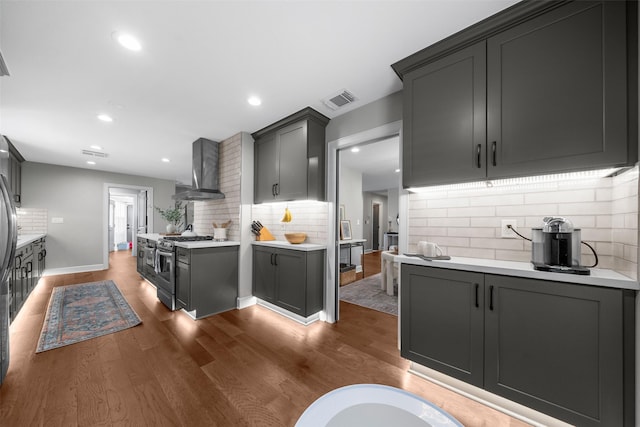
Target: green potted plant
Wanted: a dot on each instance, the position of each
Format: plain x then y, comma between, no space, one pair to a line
173,216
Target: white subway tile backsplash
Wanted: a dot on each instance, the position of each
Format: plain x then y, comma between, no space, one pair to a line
500,200
567,196
541,210
447,203
448,222
309,217
481,211
467,222
32,220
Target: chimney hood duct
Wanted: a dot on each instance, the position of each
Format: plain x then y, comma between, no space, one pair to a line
204,175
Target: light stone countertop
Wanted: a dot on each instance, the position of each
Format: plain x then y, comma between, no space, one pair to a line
192,245
598,277
25,239
305,247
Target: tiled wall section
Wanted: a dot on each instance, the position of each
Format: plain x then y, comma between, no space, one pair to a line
624,223
32,221
307,217
467,222
205,213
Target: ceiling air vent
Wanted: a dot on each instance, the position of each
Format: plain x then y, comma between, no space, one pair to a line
339,100
94,153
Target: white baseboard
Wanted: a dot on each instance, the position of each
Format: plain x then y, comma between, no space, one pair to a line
513,409
244,302
303,320
75,269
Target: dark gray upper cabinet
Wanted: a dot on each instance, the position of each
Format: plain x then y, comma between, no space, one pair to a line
557,92
289,158
563,349
561,94
444,104
14,174
288,278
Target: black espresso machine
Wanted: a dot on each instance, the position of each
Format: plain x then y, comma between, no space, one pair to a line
556,246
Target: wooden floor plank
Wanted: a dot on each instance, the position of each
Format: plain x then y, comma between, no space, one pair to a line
239,368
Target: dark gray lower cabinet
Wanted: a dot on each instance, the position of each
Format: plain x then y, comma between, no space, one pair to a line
140,244
442,321
26,269
207,279
563,349
290,279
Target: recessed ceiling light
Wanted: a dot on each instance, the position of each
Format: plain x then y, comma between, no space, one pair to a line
91,162
355,150
397,170
254,100
96,147
164,159
127,41
105,118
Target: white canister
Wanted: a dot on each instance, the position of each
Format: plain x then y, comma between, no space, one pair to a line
220,234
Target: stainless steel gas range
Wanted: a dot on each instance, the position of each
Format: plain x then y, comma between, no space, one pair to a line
165,266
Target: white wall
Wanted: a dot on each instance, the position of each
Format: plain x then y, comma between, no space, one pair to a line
351,197
75,195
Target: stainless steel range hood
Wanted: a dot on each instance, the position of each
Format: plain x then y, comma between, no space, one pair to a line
204,182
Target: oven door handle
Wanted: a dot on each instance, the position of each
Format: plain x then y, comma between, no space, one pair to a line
156,264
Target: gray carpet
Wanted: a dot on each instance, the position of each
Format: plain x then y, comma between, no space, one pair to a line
367,293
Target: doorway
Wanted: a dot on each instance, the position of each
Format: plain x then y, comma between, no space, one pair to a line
375,227
365,173
127,213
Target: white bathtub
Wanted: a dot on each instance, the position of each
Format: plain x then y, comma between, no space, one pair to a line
374,405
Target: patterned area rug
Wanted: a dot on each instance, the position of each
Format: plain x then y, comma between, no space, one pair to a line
81,312
367,293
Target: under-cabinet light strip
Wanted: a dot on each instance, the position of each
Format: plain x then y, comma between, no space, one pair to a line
541,181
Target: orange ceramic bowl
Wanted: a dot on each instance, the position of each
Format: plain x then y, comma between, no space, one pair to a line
295,238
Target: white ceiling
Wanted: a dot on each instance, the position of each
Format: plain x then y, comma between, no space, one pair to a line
199,63
377,162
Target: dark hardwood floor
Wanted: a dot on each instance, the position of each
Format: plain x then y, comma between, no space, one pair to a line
248,367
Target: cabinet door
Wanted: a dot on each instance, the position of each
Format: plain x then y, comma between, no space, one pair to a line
556,347
291,283
140,260
444,120
264,274
557,91
292,141
267,166
442,320
183,286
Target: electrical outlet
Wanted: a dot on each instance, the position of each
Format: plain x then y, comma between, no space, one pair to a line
505,231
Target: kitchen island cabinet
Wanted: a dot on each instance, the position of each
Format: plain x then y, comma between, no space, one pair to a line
288,278
561,95
564,349
289,158
207,280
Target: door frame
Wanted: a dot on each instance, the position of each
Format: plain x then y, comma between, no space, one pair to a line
332,294
105,216
375,236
